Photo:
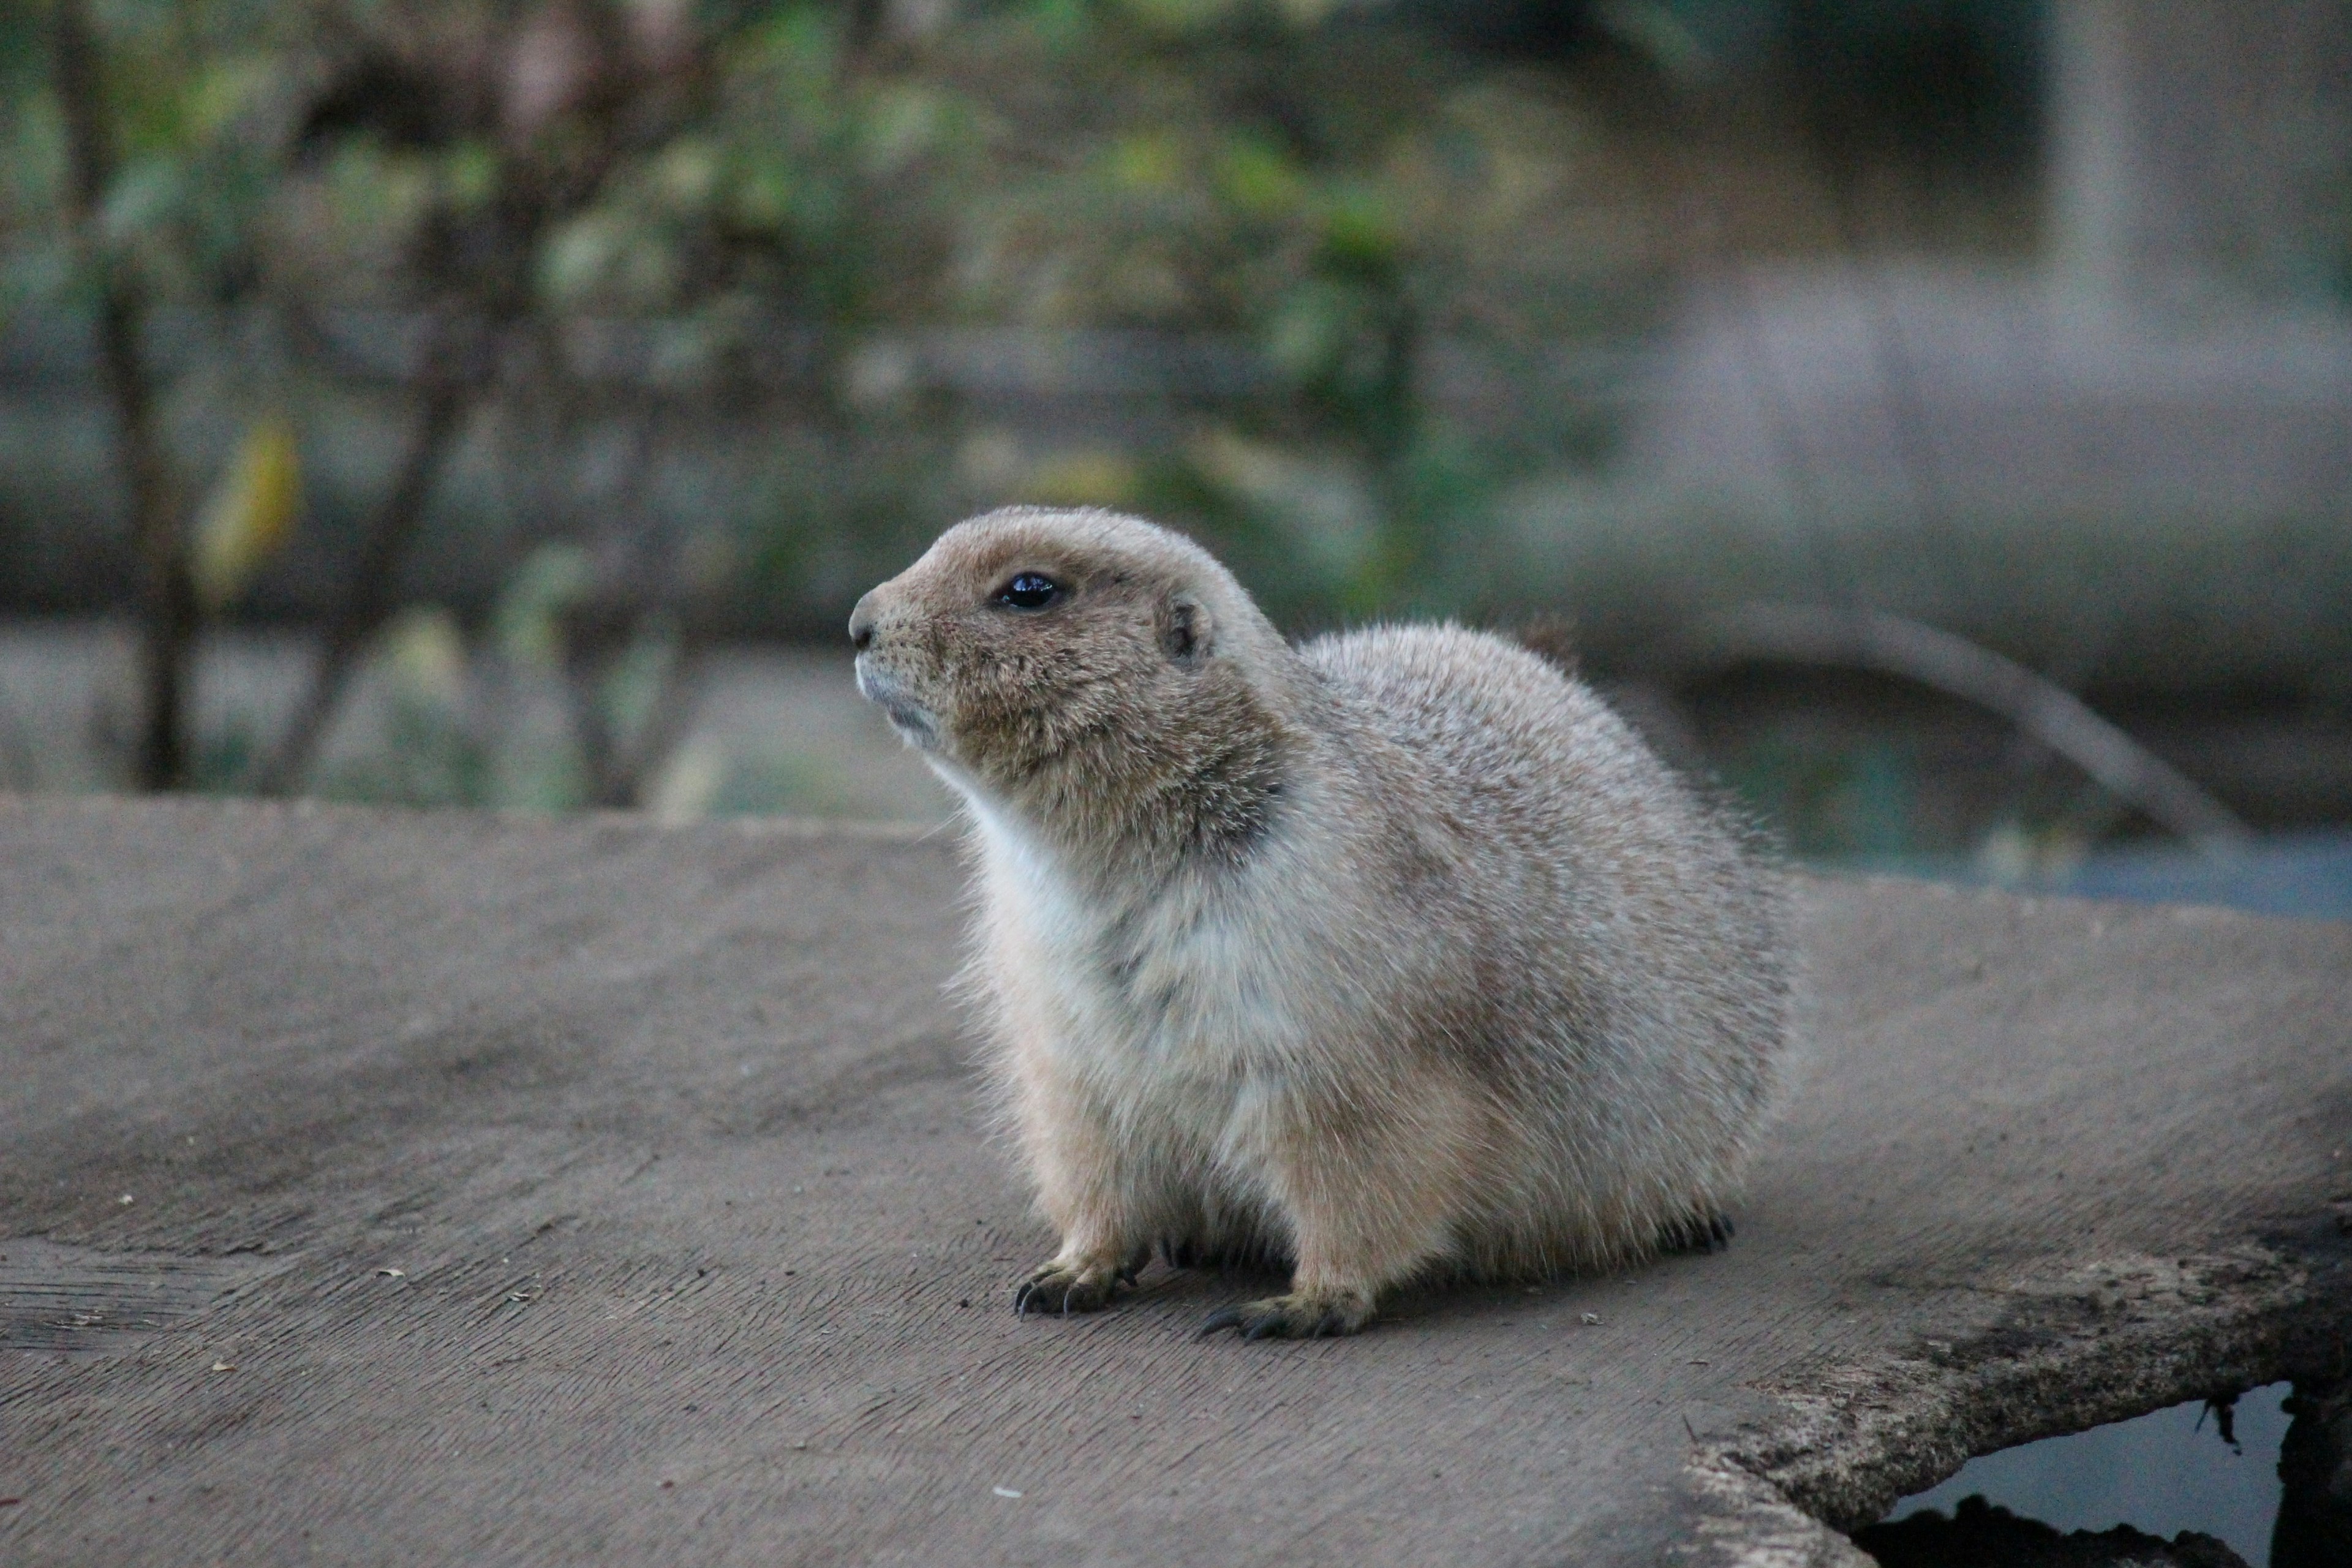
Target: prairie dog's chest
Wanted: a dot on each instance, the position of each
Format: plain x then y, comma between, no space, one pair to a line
1183,985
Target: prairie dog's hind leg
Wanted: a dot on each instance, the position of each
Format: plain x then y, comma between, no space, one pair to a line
1370,1201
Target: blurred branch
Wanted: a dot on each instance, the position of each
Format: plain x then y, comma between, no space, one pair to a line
1869,640
617,765
670,715
368,599
638,594
167,598
566,130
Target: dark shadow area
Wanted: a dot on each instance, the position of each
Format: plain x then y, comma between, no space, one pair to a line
2314,1523
1983,1536
2175,1469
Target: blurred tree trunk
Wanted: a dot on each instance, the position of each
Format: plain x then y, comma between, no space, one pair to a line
166,592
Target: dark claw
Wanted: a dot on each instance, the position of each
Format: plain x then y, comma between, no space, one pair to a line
1222,1318
1262,1325
1053,1288
1032,1292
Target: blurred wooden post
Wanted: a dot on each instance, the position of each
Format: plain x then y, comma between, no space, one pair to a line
167,596
2193,145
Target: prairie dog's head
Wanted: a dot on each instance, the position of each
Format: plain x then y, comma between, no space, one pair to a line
1029,637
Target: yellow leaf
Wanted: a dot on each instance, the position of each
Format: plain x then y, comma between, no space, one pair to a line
251,513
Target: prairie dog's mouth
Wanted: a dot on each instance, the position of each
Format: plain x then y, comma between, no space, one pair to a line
910,718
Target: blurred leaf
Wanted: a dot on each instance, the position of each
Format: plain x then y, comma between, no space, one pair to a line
803,45
1061,25
578,257
1360,228
1147,161
899,125
689,784
147,91
638,678
377,191
148,192
612,255
425,653
1257,177
1313,328
470,172
687,174
225,89
252,512
761,195
528,618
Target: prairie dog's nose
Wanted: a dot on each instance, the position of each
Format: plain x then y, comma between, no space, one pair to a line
861,624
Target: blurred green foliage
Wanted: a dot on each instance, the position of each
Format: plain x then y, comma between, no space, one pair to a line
1346,198
525,195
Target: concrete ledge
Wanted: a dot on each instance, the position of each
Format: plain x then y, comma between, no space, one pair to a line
506,1190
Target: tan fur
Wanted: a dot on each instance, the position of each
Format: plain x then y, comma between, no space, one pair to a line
1394,954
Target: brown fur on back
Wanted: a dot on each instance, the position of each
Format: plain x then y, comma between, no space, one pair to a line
1395,953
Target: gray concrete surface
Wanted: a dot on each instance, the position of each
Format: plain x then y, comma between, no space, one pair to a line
416,1188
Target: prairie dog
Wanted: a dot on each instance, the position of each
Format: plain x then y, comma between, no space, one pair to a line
1393,954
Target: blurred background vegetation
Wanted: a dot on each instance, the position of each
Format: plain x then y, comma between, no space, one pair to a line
1928,417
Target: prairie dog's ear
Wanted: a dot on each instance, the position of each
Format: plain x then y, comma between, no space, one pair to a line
1186,632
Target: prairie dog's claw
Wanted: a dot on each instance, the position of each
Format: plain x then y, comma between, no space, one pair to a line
1222,1318
1699,1232
1060,1287
1301,1315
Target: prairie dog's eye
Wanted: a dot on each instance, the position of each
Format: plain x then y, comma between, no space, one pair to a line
1029,591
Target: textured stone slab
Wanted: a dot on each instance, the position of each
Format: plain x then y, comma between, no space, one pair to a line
521,1191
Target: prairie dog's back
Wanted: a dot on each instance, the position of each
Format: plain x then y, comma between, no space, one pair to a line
1487,721
1501,734
1610,883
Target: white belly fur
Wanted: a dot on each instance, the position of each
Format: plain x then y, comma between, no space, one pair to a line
1176,1052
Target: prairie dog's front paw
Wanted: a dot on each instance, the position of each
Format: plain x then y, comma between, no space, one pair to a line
1301,1315
1068,1287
